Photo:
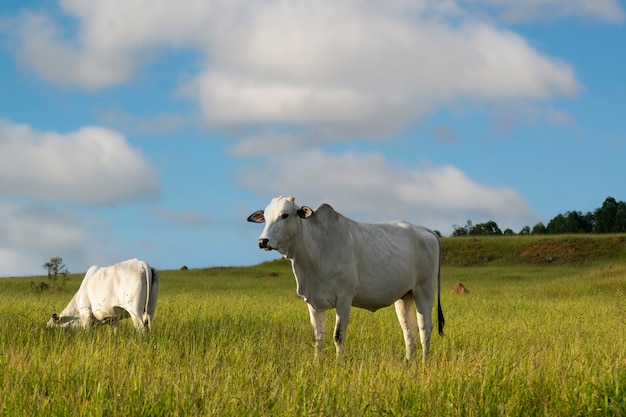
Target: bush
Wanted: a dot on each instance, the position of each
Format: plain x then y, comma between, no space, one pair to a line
57,272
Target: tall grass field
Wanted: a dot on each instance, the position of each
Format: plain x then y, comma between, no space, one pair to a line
535,336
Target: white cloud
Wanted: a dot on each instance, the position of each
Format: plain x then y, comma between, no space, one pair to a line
89,166
111,41
356,70
31,234
358,67
64,62
368,187
229,99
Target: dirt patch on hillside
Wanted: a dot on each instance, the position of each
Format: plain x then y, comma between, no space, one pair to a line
560,252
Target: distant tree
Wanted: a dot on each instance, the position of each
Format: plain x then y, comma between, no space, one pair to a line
57,272
539,229
590,219
466,230
458,231
557,225
605,216
508,232
578,222
619,226
610,218
493,228
571,222
489,228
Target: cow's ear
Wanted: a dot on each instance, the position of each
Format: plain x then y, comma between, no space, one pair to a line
55,317
257,217
305,212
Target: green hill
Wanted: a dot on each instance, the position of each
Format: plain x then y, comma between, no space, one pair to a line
534,250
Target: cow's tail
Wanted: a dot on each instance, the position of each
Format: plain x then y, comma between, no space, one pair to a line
440,319
146,319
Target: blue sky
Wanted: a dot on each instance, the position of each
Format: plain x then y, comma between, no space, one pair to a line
152,129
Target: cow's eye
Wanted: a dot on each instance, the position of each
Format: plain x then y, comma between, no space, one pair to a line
284,215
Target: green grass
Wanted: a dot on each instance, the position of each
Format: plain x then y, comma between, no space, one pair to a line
527,340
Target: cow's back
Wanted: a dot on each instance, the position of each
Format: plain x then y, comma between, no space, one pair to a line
116,278
122,285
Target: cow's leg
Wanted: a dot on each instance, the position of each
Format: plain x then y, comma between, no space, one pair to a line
318,321
405,309
136,315
138,323
424,321
341,324
86,318
115,324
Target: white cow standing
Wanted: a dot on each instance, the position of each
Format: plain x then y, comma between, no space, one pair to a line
339,263
107,294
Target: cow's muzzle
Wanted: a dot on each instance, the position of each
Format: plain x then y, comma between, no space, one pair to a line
265,244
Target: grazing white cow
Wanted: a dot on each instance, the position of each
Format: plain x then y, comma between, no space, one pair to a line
107,294
339,263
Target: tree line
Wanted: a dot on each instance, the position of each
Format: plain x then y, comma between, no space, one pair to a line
609,218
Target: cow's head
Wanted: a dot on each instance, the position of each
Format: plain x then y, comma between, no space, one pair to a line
54,321
282,223
58,321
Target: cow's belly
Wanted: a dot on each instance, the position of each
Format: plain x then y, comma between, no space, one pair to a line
372,298
319,302
376,301
111,313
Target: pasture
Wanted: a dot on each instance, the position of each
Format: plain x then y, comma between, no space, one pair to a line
528,339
